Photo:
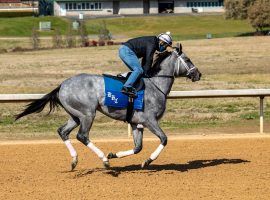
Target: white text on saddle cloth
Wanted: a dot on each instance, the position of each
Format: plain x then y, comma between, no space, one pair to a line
110,95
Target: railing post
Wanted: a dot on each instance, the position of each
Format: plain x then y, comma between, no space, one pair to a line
261,114
129,130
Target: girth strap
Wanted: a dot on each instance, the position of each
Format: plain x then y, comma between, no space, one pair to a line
130,109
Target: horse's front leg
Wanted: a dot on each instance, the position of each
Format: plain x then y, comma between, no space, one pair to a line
83,137
153,126
137,132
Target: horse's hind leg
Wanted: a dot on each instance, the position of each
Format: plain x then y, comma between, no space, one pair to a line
64,132
137,138
83,136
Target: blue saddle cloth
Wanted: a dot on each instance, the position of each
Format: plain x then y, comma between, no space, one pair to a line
115,98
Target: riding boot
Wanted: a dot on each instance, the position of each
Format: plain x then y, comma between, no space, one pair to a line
129,91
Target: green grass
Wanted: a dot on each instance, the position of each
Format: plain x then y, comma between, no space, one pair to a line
182,27
22,26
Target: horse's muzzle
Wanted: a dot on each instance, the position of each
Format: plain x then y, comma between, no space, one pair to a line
196,76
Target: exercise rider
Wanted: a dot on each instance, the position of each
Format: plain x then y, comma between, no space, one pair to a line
143,47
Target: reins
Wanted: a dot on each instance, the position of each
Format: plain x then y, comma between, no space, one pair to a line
179,59
161,76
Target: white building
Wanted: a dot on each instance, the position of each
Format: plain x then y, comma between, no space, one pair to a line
133,7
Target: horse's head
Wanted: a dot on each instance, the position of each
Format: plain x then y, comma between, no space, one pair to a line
183,66
175,63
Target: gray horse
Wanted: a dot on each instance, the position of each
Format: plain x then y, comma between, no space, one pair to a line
82,95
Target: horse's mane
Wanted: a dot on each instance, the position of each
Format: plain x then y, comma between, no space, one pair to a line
156,65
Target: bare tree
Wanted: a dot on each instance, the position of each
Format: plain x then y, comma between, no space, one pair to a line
57,39
104,33
83,34
35,38
70,37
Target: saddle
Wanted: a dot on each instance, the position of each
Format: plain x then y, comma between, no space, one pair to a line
132,102
138,85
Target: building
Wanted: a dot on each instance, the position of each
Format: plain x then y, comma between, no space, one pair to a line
18,6
73,8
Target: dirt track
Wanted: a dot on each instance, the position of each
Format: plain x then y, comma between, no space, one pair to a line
235,168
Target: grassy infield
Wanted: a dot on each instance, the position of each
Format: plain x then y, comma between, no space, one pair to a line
183,27
225,63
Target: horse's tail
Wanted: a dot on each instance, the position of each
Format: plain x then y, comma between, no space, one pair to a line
38,105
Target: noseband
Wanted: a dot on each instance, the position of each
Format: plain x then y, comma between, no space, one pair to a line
181,60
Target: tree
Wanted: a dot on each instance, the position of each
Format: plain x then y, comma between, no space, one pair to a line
70,37
104,33
83,34
259,14
237,9
231,9
35,38
57,38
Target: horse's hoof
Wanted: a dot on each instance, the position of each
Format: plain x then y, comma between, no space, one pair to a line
74,162
146,163
111,155
106,164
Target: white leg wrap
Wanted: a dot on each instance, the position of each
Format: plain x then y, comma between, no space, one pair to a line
156,153
122,154
139,126
97,151
71,149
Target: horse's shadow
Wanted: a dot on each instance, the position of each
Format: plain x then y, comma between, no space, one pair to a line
191,165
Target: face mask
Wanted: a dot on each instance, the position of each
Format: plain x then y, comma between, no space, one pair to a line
161,48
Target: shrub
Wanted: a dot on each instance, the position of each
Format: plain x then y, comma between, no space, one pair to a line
118,43
259,14
17,14
101,43
3,51
110,42
87,44
93,43
19,49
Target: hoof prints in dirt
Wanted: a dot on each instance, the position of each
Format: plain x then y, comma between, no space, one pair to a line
150,170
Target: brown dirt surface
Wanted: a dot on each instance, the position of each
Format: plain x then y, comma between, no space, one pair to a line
189,168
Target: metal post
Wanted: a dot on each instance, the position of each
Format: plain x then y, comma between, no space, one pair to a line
261,114
129,130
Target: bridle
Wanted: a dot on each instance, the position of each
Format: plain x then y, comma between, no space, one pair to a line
177,70
180,59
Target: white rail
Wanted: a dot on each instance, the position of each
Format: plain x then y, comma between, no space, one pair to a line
219,93
261,93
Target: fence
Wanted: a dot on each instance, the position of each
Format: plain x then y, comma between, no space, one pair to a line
261,93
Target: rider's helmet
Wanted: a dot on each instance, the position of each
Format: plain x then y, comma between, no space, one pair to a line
165,37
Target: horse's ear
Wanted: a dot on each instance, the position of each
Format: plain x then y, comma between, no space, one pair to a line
179,47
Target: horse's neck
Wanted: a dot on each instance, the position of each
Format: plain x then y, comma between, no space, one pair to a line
164,83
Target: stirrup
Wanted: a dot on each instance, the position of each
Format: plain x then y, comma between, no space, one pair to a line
129,91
